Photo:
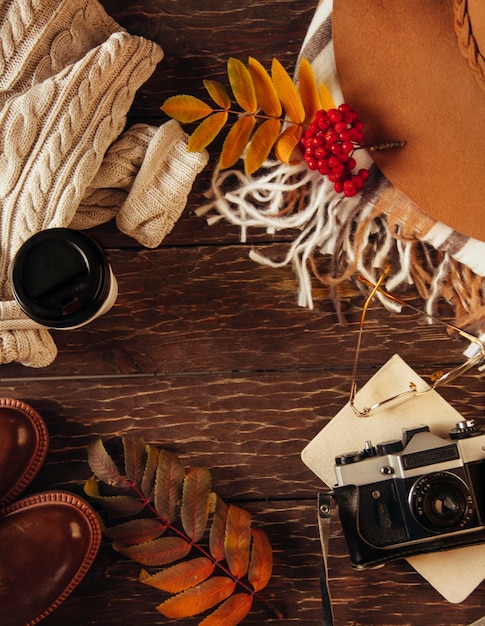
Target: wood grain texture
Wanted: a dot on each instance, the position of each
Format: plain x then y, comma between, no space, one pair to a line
211,308
207,354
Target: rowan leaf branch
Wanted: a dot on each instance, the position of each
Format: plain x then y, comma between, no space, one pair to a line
165,515
270,112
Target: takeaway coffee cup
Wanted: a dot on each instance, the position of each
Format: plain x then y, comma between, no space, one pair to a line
61,279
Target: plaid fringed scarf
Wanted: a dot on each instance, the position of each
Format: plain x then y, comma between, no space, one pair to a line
378,228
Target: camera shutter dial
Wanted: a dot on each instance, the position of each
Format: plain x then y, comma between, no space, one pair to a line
348,458
390,447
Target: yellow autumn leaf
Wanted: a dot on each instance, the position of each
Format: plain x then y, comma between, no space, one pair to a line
207,131
309,90
91,487
218,93
326,98
186,109
287,93
242,85
265,90
236,140
263,140
286,144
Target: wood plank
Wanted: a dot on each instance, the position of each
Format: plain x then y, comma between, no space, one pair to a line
250,428
211,308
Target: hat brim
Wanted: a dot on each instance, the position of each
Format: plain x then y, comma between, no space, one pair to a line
400,67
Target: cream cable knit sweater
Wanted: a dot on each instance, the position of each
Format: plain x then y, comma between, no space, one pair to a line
68,75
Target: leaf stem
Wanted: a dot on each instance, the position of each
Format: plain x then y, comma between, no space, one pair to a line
260,116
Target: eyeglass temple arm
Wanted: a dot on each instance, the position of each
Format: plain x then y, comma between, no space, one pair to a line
463,333
471,362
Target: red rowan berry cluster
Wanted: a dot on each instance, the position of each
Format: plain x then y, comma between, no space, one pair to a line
329,143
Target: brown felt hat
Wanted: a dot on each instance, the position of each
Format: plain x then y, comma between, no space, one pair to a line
402,64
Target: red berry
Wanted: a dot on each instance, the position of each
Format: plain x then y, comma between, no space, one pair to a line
324,124
357,180
347,147
312,163
350,188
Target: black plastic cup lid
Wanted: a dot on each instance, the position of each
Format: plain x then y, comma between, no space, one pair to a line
60,277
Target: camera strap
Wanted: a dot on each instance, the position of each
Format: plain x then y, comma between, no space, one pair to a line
324,511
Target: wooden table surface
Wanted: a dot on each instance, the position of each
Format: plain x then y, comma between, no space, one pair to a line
207,354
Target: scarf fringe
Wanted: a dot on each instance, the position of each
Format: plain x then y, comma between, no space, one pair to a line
354,234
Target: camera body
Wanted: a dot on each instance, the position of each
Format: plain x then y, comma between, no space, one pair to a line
421,493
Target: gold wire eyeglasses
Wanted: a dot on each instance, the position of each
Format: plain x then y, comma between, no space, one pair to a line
475,352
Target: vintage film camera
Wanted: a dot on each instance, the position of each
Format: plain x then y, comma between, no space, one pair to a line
421,493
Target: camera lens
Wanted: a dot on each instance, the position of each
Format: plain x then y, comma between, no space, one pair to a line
441,502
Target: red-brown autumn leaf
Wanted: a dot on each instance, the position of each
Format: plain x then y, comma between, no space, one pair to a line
261,564
135,531
207,131
135,458
218,93
156,552
218,530
242,85
148,480
238,540
265,91
287,93
195,501
263,140
198,599
186,109
117,506
236,140
168,485
286,144
231,612
181,576
309,90
103,466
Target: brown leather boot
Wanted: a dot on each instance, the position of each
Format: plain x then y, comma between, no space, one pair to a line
49,540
